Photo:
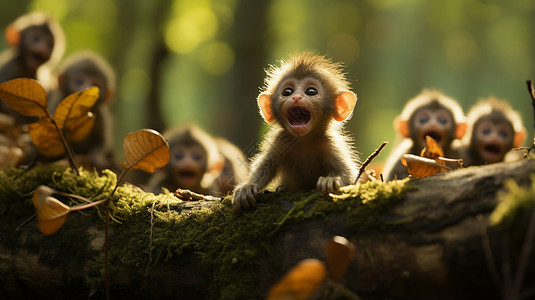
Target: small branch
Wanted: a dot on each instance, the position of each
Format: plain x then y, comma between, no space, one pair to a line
369,159
524,257
68,149
491,265
188,195
531,91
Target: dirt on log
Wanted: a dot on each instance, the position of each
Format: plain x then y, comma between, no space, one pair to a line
437,245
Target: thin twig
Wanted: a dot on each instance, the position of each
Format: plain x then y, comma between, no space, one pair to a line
531,91
524,257
369,160
188,195
491,264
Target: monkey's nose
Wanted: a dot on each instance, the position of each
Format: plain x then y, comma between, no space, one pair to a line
297,97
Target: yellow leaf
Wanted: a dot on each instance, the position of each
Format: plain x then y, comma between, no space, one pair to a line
77,129
41,192
421,166
26,96
300,282
432,150
73,114
51,214
146,150
46,138
339,252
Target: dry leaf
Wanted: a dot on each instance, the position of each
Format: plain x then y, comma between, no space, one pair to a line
300,282
51,214
46,138
339,252
146,150
73,114
26,96
421,166
432,149
40,193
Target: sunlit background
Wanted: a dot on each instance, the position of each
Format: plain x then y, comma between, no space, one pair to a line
203,61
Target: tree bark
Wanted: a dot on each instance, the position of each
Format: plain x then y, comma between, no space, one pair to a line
436,251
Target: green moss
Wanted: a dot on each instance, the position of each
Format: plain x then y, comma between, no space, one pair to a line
515,206
152,229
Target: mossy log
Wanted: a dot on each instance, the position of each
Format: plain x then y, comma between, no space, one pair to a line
414,239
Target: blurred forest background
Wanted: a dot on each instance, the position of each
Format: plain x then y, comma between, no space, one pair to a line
203,61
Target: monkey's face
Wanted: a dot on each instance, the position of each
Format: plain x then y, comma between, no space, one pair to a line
436,123
299,104
80,80
492,140
188,165
36,45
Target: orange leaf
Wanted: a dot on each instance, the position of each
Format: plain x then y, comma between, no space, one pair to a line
421,166
300,282
26,96
40,193
51,214
73,114
46,138
146,150
433,149
340,252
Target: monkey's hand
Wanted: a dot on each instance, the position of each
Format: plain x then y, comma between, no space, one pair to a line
329,184
244,196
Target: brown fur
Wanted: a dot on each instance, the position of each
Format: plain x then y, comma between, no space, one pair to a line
323,157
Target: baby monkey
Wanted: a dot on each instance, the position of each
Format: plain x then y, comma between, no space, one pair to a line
433,114
306,101
494,129
194,164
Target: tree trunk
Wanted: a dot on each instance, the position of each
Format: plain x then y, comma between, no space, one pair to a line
435,251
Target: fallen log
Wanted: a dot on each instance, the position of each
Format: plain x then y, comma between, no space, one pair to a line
423,238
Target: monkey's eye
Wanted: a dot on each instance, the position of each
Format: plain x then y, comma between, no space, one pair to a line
486,131
311,91
442,120
196,156
287,92
423,119
503,134
179,155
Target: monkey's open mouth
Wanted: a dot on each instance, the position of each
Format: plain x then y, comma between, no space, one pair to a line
493,149
435,135
186,174
298,116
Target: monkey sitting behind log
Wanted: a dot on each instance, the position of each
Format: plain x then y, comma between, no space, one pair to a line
430,113
193,165
80,71
235,167
35,40
305,100
494,129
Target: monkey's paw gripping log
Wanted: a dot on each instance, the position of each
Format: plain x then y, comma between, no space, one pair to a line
329,184
244,196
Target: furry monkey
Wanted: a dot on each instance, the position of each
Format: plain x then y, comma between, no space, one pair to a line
494,129
429,113
306,100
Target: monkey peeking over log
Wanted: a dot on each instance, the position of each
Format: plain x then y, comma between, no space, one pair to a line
306,101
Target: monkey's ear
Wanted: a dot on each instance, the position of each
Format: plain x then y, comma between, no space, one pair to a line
343,105
12,36
402,127
264,102
519,137
460,131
